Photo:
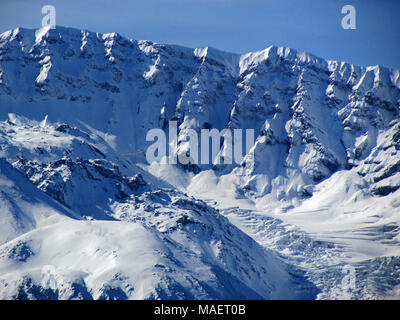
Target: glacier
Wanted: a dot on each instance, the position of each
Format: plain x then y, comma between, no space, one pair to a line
316,195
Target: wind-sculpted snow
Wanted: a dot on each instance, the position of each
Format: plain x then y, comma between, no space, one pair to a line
75,108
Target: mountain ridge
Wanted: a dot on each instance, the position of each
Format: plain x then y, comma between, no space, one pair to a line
75,109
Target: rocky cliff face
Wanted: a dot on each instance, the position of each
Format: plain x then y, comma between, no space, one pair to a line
311,117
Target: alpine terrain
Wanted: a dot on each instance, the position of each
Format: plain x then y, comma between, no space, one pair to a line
312,210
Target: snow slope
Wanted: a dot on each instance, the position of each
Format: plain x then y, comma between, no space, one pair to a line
114,235
319,187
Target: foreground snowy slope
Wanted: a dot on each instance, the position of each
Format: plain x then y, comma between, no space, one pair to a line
76,106
23,207
111,235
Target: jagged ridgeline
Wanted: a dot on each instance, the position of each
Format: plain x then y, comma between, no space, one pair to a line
311,117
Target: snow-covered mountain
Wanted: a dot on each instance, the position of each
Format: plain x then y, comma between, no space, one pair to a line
80,207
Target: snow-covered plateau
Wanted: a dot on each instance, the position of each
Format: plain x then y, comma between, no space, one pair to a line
311,212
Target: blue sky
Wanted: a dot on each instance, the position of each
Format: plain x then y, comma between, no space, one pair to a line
233,25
